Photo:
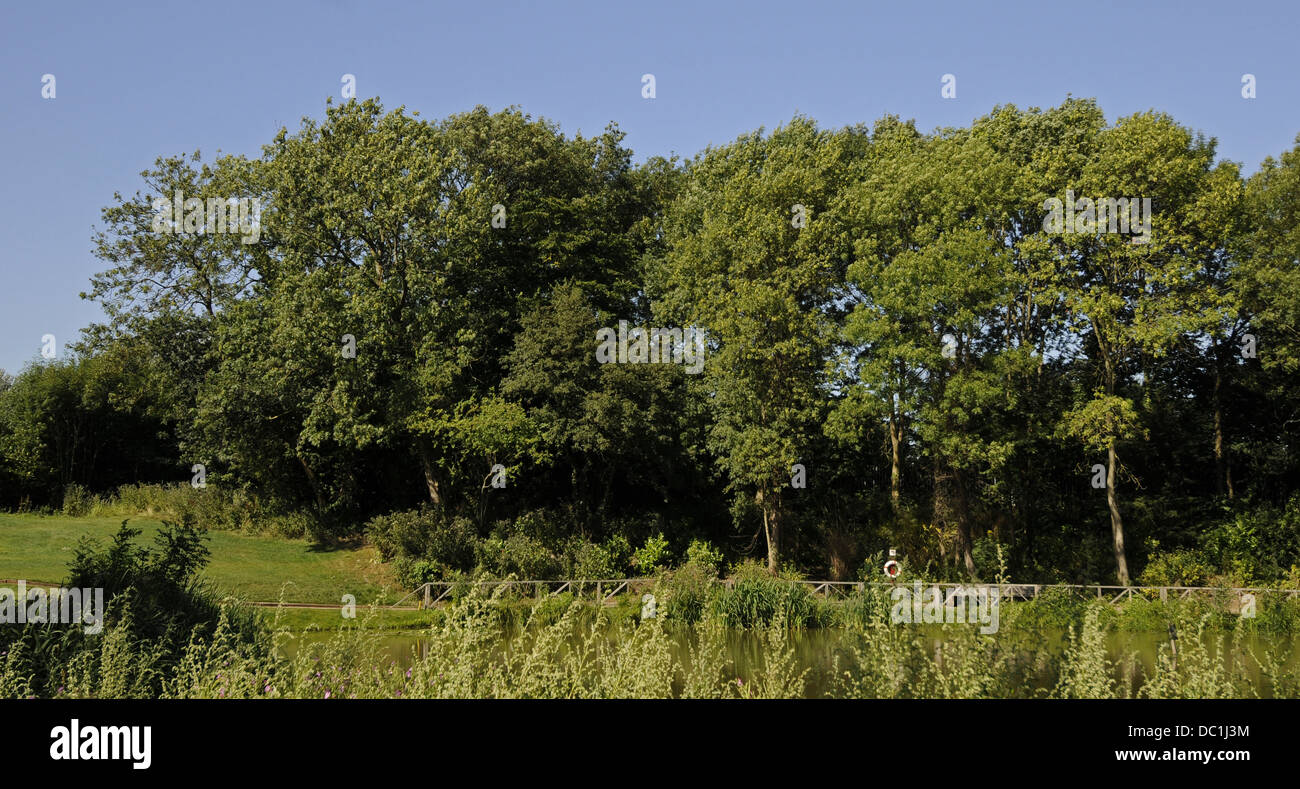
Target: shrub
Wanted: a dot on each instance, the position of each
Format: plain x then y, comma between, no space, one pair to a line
543,525
1254,544
77,501
442,545
291,526
211,507
398,534
412,573
526,557
561,647
1054,608
155,609
1177,568
702,553
587,560
651,556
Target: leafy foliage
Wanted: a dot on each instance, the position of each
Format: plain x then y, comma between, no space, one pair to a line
890,316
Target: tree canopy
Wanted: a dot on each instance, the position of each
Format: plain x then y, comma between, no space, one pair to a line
1072,339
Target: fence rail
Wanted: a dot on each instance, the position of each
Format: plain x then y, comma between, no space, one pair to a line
602,589
605,590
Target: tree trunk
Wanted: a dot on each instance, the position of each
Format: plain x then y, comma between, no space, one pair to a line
896,463
1222,471
949,508
1219,473
964,522
1112,497
1116,522
430,476
771,508
840,546
315,484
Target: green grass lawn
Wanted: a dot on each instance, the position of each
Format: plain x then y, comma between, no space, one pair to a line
39,548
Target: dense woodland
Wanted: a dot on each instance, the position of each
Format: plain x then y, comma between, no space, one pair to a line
899,354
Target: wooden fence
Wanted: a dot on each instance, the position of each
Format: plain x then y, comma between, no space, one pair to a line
605,590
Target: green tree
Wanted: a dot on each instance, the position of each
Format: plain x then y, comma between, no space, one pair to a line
743,266
1131,302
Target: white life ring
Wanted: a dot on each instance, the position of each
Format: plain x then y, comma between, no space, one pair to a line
893,569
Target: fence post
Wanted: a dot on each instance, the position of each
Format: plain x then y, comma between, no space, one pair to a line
426,596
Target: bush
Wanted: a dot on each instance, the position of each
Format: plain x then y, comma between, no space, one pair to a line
990,558
526,557
1274,614
412,573
1054,608
155,610
291,526
425,544
587,560
545,526
212,507
77,501
703,554
1086,668
652,556
1177,568
453,544
398,534
1255,544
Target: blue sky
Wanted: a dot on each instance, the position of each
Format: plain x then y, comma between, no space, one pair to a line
165,78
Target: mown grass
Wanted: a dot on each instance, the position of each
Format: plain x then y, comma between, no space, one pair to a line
251,567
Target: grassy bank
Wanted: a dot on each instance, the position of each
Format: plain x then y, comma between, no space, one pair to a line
249,566
167,632
267,567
